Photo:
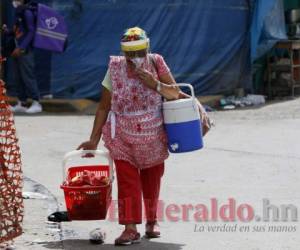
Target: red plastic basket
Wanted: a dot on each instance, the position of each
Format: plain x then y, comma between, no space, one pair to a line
88,202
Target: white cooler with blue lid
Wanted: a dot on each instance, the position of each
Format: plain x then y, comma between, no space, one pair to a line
183,124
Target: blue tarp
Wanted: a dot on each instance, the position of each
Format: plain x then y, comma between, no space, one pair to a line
268,26
206,43
196,38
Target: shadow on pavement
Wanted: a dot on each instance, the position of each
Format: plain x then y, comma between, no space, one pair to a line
51,244
145,244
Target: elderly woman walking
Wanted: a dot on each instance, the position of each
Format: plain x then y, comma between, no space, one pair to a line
129,117
11,202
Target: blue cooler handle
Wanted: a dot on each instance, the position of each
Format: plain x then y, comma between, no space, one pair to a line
82,153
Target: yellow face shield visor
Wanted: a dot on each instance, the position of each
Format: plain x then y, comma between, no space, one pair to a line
135,45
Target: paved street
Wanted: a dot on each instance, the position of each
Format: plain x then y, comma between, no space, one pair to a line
249,156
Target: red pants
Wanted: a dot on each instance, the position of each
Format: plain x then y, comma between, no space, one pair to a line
132,184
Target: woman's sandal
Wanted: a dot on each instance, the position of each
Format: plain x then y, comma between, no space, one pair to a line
152,230
128,237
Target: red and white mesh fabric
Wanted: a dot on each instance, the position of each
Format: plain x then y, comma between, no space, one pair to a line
11,202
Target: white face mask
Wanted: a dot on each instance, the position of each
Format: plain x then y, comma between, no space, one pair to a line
139,62
16,4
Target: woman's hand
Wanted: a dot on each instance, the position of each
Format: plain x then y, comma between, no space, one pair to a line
205,120
88,145
170,92
206,123
147,78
